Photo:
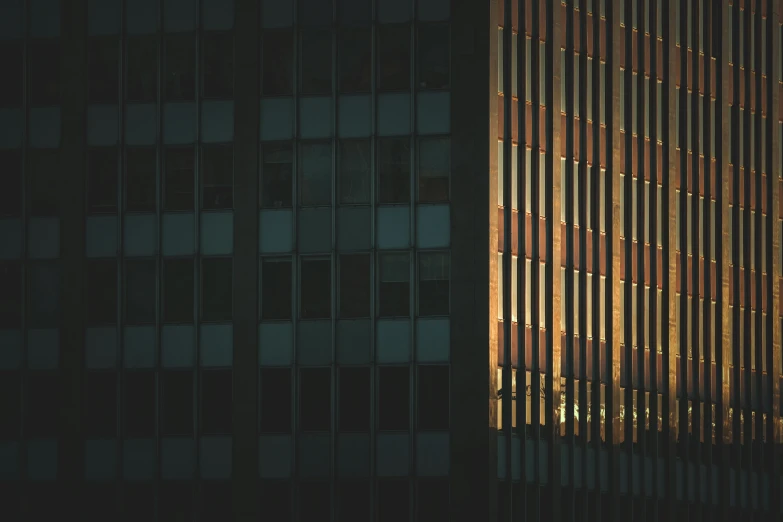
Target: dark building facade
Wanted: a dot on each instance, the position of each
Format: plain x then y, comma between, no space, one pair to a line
295,260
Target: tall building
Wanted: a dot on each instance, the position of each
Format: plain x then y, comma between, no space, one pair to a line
298,260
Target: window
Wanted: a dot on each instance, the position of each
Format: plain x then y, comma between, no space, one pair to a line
43,181
393,500
276,301
354,285
179,82
277,62
354,171
353,500
104,69
178,188
138,501
434,169
315,404
394,57
142,75
178,290
44,72
315,499
140,282
354,399
315,72
394,285
102,180
276,500
433,500
177,404
354,55
434,271
217,288
276,176
175,500
10,404
218,66
315,288
12,65
315,12
275,415
216,401
140,165
43,295
11,182
101,398
215,498
99,500
101,291
217,162
433,57
42,403
315,174
139,403
432,398
394,169
10,295
393,398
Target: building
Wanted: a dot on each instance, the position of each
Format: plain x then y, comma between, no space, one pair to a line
260,260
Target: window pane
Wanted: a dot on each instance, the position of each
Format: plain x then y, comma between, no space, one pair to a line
177,405
315,174
10,294
142,76
434,164
217,289
43,295
355,285
393,500
394,168
433,57
178,189
277,176
216,501
276,301
140,179
275,412
354,59
354,397
354,171
139,403
315,404
101,291
138,501
394,285
394,57
218,72
217,177
42,403
216,401
175,501
354,12
315,12
10,404
276,500
315,499
11,63
180,68
315,287
44,72
101,398
140,282
434,270
433,500
11,182
353,500
43,182
316,56
178,290
393,398
102,180
277,62
104,69
433,398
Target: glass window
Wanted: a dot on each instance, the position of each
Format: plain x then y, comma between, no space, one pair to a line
433,499
142,76
44,72
101,398
315,12
216,288
316,61
315,404
433,398
43,181
179,180
216,401
315,174
394,285
217,163
394,169
275,496
140,182
180,67
433,57
393,500
218,65
178,290
10,404
175,500
10,294
354,285
434,162
275,415
102,180
11,182
354,171
354,55
434,272
277,62
315,288
140,299
353,499
104,69
138,500
42,403
394,57
315,499
12,65
177,402
354,12
393,398
354,399
101,291
215,498
139,403
276,175
276,300
43,295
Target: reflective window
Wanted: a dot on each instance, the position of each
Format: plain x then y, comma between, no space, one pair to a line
434,273
315,72
433,169
43,295
102,180
354,399
42,404
179,180
142,76
101,291
354,56
101,404
315,404
140,171
315,499
10,294
315,12
433,55
43,181
394,167
275,415
394,57
354,171
355,285
217,177
277,62
315,288
179,67
393,500
11,182
216,288
276,185
218,65
394,285
215,400
10,404
393,398
432,398
140,292
354,12
178,290
315,174
44,71
176,416
12,65
276,288
104,69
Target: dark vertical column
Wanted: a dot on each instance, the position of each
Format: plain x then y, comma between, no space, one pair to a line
473,477
246,154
